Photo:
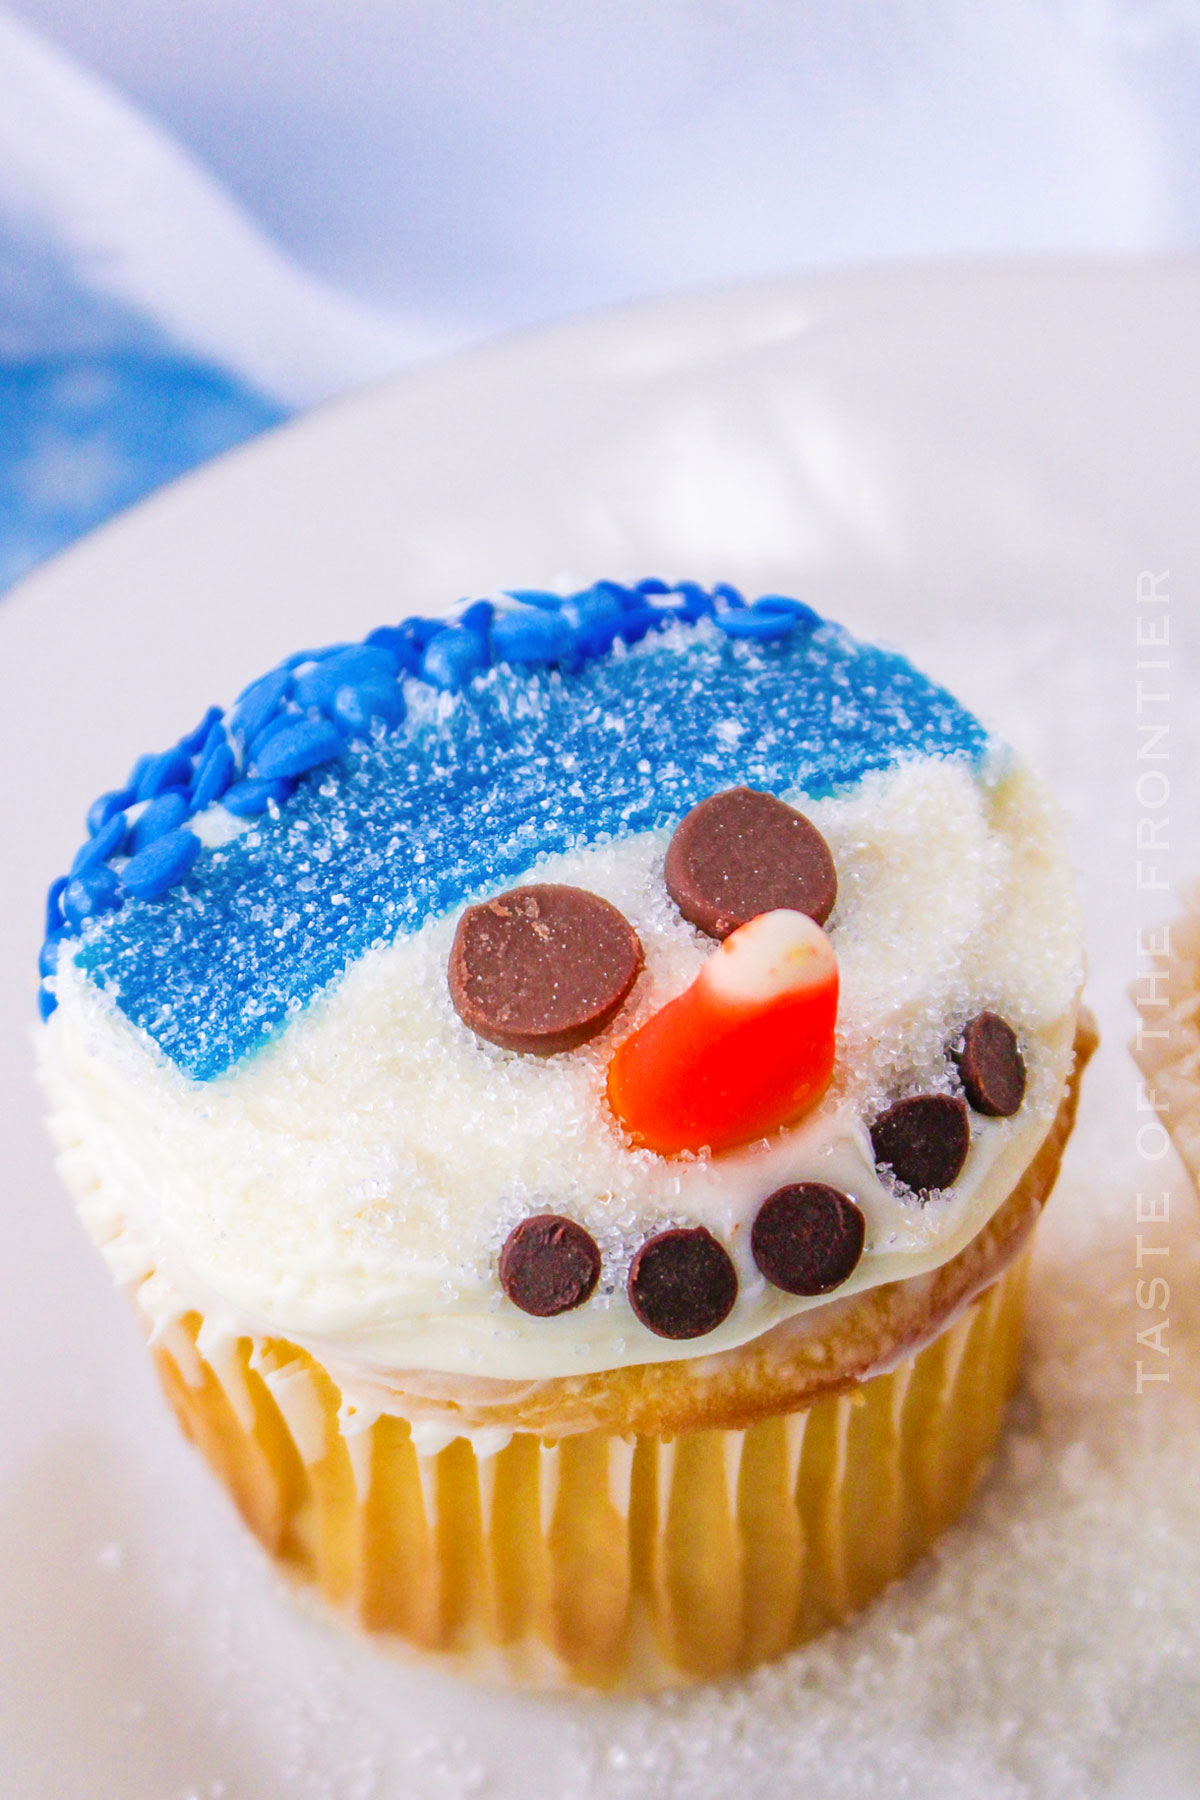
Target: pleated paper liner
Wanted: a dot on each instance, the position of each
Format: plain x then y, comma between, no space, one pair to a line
603,1561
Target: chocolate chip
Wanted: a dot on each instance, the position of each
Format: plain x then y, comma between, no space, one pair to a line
924,1140
549,1265
991,1066
742,853
682,1283
542,968
807,1238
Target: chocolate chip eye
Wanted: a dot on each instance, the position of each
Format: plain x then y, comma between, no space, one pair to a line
682,1283
549,1265
808,1238
742,853
542,968
991,1066
923,1140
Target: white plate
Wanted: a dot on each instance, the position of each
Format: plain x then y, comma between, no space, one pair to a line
976,462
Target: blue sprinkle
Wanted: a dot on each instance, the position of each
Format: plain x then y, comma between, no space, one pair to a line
88,895
532,637
478,617
783,605
286,717
49,953
165,814
750,624
54,912
103,809
246,799
596,618
149,874
696,604
46,1001
539,597
196,740
629,597
298,749
171,769
355,708
106,843
299,657
724,590
259,702
406,651
452,657
138,770
604,600
215,736
421,630
654,585
636,621
366,662
213,776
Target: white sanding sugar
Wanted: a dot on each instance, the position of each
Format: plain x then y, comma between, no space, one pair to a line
1047,1648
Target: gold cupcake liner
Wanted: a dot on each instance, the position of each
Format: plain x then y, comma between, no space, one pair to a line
602,1561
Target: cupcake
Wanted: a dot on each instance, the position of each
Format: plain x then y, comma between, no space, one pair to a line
568,1088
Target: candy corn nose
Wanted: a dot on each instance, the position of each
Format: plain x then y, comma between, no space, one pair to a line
747,1048
777,955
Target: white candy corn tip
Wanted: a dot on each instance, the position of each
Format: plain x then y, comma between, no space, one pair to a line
776,955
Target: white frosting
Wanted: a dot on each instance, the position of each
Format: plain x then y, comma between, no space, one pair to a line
349,1186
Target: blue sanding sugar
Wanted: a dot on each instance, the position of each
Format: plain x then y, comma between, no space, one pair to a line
464,795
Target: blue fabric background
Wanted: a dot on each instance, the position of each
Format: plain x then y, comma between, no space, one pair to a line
210,215
83,434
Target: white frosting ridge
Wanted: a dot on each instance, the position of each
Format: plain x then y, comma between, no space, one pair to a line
349,1186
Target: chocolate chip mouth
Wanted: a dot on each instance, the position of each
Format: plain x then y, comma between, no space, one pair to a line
682,1283
808,1237
549,1265
991,1066
923,1140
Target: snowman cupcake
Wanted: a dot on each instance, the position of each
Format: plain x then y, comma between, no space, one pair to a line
568,1088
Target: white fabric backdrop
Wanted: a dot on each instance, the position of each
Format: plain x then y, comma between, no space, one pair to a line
212,212
474,166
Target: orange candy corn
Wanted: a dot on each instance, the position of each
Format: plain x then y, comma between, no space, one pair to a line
747,1048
